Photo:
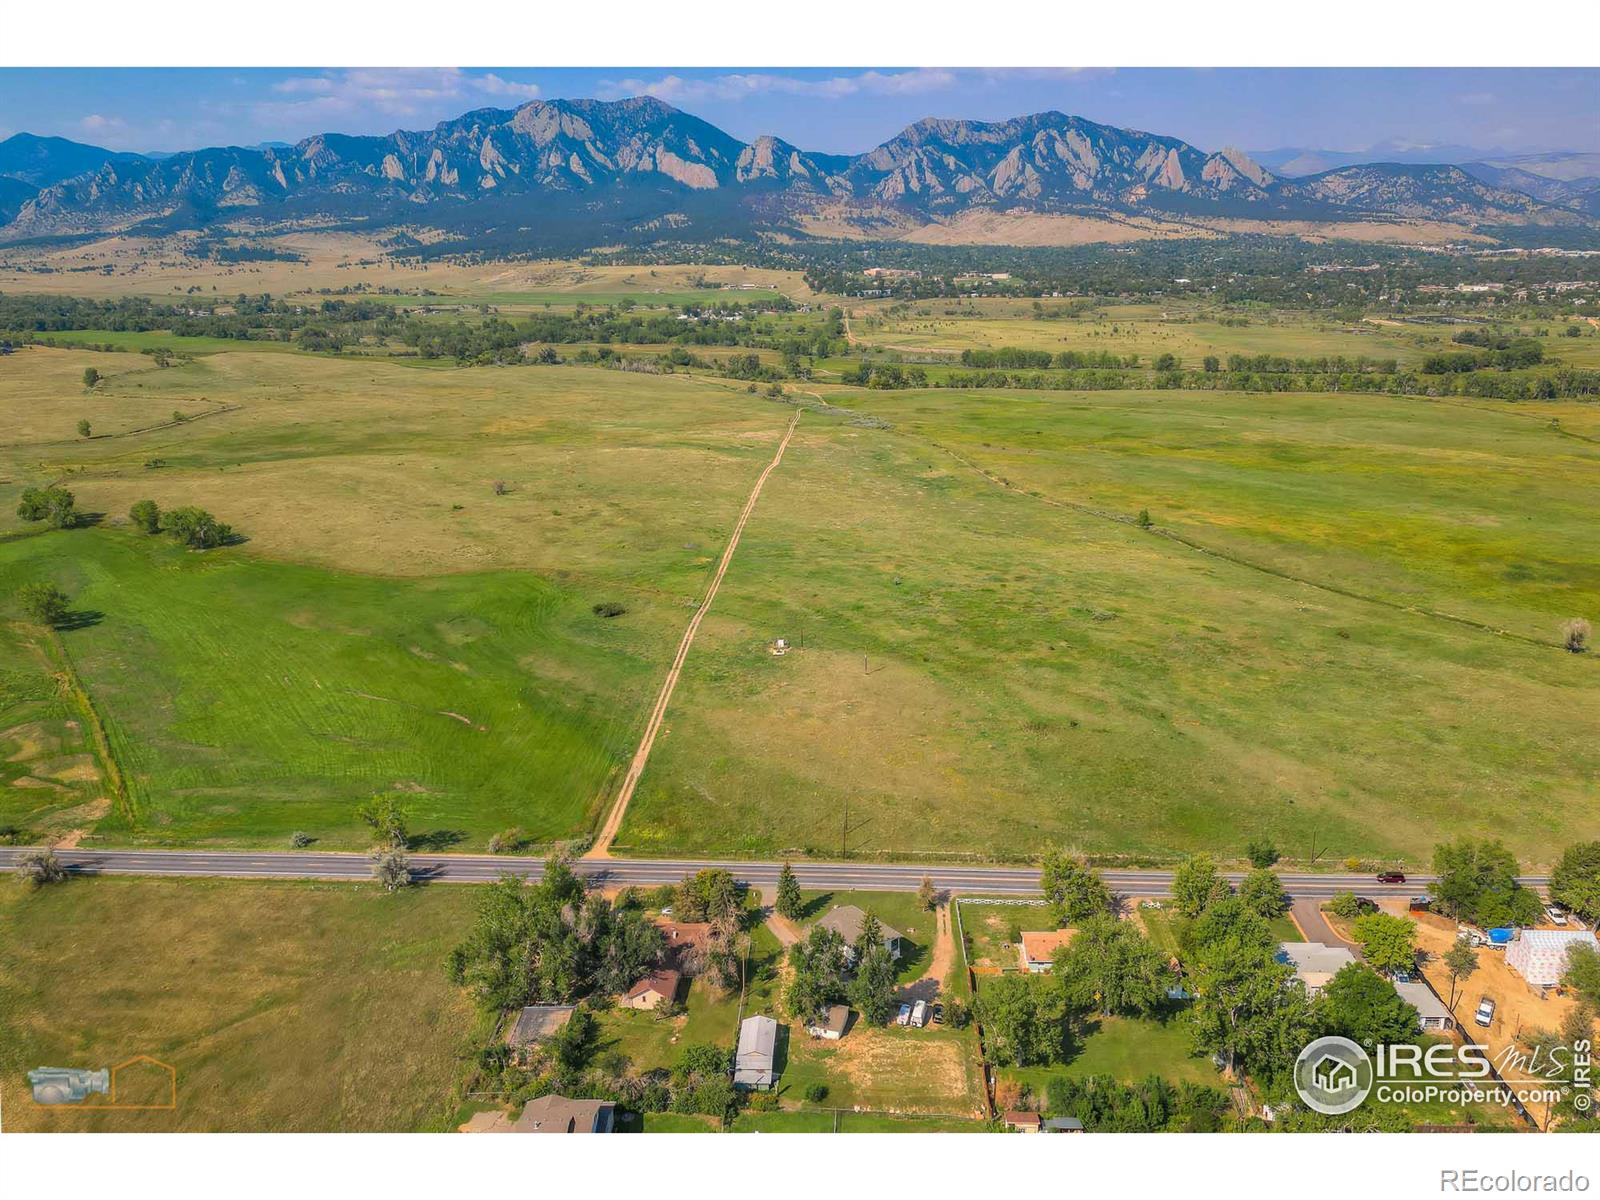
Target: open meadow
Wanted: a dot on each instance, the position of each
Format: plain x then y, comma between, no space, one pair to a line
1339,627
390,622
286,1007
979,669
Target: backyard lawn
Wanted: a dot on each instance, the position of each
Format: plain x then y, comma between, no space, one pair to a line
1128,1049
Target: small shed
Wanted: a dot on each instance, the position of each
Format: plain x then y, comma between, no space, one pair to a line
755,1063
1023,1121
831,1023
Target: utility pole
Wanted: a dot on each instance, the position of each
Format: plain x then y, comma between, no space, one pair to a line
844,831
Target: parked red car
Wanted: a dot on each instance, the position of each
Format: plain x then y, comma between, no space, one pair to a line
1391,877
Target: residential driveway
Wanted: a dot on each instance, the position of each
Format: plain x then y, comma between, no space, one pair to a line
1307,914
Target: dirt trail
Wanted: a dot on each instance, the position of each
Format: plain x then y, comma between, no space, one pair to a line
928,985
848,336
641,756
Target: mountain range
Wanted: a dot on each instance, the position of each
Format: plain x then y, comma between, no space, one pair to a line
639,169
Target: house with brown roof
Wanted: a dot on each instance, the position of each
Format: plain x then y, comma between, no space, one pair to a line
1038,948
1023,1121
654,990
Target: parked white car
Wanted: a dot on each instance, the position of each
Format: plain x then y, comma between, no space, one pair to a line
904,1017
1485,1014
919,1014
1556,915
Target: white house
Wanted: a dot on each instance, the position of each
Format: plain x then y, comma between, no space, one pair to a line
1315,963
1432,1015
1540,955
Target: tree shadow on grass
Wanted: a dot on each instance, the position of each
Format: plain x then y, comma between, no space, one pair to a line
82,618
437,839
816,906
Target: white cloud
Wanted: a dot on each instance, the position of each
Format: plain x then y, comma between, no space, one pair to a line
100,125
491,84
310,102
676,89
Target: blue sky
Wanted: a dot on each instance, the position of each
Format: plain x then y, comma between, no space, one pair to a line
839,110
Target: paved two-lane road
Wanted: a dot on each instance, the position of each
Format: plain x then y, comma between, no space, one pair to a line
473,868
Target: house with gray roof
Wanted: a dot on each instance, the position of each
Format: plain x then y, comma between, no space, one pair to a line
847,921
1315,963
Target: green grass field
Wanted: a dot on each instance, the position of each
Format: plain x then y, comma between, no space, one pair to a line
980,670
1127,1049
390,623
282,1006
990,654
246,698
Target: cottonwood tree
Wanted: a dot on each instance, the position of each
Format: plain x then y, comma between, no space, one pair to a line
1072,892
84,428
90,377
1477,880
197,529
53,504
927,896
1196,884
1262,892
816,973
146,516
1575,882
43,602
1460,962
40,867
1110,967
385,816
789,903
1027,1019
1361,1005
1388,942
549,943
1582,975
392,869
1249,1009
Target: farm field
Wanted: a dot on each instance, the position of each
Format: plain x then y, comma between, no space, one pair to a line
1148,330
282,1006
389,623
981,670
989,652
